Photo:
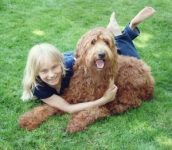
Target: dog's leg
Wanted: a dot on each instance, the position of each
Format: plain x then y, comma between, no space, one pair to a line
123,103
32,119
129,97
80,120
147,91
119,108
132,102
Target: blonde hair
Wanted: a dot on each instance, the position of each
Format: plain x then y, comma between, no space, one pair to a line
33,64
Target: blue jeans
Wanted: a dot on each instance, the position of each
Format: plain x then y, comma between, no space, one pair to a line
125,44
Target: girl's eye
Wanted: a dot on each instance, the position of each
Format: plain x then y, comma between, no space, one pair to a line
44,70
55,66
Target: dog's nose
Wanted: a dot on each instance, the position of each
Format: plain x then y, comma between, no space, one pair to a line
101,54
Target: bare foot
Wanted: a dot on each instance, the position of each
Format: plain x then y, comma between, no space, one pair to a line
113,25
144,14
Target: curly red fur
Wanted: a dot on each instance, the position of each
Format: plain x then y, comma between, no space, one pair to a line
132,77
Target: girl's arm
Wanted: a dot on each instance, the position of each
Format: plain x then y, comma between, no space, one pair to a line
60,103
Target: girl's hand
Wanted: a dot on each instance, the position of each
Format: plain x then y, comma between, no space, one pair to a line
110,93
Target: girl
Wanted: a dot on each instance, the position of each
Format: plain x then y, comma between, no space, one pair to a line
47,73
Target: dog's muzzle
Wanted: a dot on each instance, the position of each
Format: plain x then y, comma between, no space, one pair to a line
100,61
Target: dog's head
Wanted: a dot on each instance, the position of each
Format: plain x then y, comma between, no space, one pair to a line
96,51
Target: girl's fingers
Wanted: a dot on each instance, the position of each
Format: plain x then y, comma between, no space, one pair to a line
111,82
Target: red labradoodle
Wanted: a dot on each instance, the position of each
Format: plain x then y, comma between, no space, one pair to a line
96,62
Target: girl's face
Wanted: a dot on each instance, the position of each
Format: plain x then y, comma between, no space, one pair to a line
50,72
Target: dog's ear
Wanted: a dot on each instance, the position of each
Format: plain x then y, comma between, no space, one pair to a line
78,51
77,55
79,47
82,45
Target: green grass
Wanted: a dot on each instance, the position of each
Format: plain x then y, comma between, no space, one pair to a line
24,23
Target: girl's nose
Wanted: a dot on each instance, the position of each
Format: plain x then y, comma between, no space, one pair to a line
51,74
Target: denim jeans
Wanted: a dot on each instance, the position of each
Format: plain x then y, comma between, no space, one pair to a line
125,44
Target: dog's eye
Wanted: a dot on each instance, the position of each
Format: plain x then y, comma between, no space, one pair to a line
93,42
107,42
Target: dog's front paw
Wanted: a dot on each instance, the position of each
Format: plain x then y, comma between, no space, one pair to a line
28,122
74,127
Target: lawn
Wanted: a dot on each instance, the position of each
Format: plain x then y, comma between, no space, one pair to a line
24,23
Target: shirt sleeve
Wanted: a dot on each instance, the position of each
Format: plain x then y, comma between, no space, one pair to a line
69,60
43,92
